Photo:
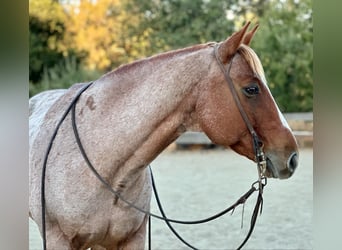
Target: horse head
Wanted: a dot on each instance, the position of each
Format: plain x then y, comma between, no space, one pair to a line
220,118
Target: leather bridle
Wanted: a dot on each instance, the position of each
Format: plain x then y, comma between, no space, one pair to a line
256,186
257,143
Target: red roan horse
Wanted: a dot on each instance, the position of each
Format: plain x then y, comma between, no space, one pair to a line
126,118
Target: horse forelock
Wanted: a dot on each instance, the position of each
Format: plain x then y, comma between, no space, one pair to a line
253,61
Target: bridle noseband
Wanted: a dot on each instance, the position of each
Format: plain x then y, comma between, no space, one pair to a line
256,186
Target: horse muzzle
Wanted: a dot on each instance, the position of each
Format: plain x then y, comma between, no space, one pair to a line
278,167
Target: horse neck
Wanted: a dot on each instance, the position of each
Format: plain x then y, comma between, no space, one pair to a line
144,107
152,89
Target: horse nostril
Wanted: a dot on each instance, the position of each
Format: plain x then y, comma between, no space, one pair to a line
292,163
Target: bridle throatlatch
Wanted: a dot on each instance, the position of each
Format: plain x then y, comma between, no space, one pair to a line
256,186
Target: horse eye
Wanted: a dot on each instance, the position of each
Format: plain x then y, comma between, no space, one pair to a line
251,90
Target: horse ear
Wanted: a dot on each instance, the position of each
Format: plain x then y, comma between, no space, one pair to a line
229,47
248,37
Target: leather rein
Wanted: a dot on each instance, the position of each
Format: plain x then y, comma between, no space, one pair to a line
256,186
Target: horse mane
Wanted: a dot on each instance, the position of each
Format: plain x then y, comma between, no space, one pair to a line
162,56
250,56
253,61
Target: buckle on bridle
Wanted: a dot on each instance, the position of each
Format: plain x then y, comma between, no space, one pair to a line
260,157
261,160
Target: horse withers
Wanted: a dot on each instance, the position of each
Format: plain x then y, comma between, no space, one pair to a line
126,118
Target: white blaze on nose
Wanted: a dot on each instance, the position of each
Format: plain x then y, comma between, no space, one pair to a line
283,120
281,116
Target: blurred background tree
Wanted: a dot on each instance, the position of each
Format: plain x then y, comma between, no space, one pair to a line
52,63
78,40
180,23
284,44
102,30
46,26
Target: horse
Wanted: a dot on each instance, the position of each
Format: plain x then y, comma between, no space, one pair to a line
130,115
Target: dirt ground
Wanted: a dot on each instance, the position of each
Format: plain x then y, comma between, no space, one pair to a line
197,184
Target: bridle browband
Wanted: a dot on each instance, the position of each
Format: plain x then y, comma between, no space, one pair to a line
256,186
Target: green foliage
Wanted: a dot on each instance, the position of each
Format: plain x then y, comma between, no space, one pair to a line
180,23
46,38
284,45
41,54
